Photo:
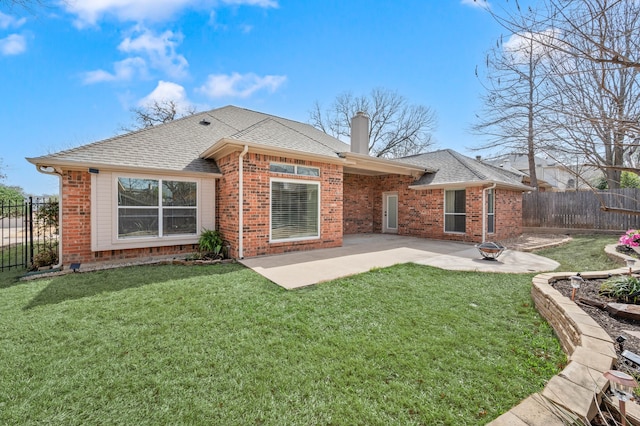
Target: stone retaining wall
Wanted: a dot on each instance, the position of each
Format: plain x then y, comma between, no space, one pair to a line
575,393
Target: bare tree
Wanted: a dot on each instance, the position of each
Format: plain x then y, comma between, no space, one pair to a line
516,102
397,128
571,19
596,65
157,112
598,101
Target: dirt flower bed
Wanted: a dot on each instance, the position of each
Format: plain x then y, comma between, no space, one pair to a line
614,326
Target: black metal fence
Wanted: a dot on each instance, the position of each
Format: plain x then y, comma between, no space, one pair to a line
28,233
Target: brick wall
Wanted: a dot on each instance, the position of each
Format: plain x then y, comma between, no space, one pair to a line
256,182
76,217
508,210
421,212
76,227
358,204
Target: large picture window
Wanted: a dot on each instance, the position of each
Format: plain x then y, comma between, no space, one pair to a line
295,210
455,213
156,207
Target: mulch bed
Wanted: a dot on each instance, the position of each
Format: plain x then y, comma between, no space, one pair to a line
614,326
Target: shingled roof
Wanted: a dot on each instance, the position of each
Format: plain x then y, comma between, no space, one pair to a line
453,168
177,146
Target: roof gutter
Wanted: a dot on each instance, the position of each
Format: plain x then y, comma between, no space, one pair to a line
468,184
83,166
225,146
241,201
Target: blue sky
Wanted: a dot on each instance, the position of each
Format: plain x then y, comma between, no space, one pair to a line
72,71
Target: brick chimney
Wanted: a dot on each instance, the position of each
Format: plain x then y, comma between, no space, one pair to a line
360,133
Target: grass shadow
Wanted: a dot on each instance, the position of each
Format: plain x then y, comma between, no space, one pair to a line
10,278
87,284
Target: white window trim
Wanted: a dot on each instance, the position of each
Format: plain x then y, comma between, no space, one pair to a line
444,202
104,214
297,181
154,240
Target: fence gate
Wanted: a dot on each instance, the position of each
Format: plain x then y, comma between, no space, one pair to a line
28,233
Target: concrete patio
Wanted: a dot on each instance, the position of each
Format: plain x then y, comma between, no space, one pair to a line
361,253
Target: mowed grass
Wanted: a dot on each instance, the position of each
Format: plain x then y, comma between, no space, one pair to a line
583,253
405,345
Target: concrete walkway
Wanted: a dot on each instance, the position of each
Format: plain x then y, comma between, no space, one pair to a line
361,253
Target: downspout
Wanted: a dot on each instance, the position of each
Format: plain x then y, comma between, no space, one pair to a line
241,202
484,210
48,170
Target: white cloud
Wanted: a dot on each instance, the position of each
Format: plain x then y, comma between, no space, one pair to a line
89,12
260,3
168,91
239,85
123,70
14,44
519,45
8,21
482,4
160,49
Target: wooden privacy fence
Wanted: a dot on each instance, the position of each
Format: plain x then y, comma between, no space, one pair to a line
581,210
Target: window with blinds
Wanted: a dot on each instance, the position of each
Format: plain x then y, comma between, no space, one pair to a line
295,210
455,213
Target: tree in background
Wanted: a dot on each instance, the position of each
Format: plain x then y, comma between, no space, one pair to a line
599,102
595,51
157,112
11,201
516,104
396,128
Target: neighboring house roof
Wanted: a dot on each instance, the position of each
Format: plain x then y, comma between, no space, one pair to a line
191,144
454,169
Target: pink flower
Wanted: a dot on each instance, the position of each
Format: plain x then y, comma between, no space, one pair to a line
631,238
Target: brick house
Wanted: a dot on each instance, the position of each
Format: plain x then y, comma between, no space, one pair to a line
290,186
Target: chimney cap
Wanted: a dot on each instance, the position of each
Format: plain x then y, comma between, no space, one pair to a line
361,113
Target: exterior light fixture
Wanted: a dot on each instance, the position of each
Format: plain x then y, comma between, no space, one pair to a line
576,282
630,263
622,386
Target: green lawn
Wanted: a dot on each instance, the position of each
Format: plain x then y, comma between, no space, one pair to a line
583,253
221,345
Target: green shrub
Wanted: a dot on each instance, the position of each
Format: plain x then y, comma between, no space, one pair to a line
45,257
624,288
211,242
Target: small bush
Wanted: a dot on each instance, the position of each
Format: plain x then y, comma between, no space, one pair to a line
45,257
624,288
211,242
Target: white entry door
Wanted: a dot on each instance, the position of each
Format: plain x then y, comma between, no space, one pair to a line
390,212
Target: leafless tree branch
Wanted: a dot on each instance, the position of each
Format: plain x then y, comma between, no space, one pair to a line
158,112
397,128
